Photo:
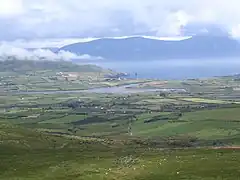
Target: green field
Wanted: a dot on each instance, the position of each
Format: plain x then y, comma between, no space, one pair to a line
123,136
201,100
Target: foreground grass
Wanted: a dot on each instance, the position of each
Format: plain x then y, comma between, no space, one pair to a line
49,157
93,164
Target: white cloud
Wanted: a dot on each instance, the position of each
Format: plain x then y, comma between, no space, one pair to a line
58,43
11,7
44,43
79,18
9,52
235,31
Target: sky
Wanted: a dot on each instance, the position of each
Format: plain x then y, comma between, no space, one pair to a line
58,22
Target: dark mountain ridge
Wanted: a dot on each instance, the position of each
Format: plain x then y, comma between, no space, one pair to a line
140,48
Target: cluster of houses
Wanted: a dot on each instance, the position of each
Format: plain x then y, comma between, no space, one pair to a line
72,76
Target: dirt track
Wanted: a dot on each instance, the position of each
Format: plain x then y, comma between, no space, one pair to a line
227,147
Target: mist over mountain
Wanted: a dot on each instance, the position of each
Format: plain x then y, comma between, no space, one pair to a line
52,49
8,52
142,48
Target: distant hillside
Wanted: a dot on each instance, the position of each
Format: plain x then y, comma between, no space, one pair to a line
25,66
139,48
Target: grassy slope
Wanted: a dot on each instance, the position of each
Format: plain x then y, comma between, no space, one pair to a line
33,66
26,75
48,158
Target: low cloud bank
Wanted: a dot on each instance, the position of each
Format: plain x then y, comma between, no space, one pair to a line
10,52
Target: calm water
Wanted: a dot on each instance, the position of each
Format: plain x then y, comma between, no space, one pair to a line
124,89
175,69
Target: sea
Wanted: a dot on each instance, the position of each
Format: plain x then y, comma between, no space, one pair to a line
171,69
